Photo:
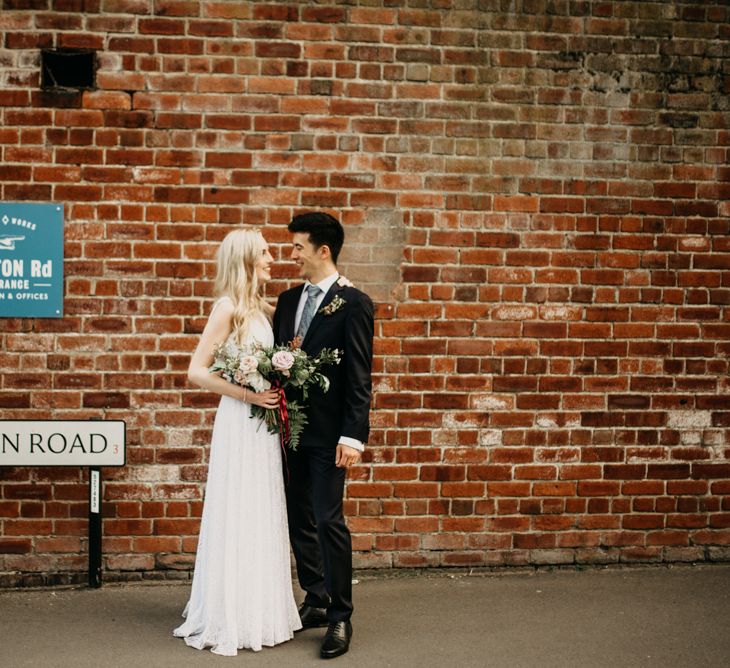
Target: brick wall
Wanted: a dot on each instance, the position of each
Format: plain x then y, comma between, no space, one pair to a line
536,193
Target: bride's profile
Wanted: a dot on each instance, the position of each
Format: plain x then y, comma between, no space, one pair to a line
241,594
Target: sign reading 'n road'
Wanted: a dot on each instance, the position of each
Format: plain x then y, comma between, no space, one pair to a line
62,443
31,260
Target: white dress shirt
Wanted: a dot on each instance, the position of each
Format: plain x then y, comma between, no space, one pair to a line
324,286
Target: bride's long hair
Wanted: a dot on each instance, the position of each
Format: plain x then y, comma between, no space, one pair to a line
236,278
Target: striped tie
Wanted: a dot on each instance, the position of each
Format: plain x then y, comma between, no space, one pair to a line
308,312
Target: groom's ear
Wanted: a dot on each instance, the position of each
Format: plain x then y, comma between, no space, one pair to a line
324,252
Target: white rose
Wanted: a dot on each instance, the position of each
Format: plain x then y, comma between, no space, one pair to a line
258,382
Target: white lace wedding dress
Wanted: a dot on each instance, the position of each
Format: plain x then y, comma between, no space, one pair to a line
242,590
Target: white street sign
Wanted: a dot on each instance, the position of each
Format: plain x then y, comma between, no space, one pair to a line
62,442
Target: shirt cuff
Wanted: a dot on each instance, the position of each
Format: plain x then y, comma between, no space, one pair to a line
352,442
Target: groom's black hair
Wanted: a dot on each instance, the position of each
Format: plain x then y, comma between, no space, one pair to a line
323,230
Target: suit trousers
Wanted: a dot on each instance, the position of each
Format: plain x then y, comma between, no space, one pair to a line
319,536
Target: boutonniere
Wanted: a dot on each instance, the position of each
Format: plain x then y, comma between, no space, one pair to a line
335,305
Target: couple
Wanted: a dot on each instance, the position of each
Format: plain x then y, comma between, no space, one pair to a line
242,590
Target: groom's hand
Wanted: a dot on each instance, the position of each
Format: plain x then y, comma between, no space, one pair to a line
346,456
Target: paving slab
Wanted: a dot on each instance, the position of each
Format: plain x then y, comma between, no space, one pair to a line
668,617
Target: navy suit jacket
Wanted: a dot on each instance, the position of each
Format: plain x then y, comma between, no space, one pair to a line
345,409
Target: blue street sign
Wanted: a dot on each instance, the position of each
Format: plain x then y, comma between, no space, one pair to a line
31,260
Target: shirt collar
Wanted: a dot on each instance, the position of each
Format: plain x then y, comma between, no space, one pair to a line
325,284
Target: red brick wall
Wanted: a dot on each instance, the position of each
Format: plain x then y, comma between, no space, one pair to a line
552,352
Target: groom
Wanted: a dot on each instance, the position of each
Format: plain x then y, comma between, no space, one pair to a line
326,312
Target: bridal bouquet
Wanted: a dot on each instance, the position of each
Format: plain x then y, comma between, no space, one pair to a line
281,367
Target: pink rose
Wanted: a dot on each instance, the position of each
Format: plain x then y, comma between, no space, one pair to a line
248,364
282,360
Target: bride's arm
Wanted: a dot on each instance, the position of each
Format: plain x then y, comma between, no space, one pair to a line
216,331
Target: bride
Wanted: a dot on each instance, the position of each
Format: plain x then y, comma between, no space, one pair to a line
242,591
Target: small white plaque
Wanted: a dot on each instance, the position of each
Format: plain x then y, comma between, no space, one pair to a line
95,484
62,442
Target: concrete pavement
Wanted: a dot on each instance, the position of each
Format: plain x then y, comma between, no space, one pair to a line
669,617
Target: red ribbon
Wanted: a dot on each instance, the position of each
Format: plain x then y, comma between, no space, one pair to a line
284,420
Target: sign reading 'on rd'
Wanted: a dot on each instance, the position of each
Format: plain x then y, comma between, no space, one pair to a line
62,443
31,260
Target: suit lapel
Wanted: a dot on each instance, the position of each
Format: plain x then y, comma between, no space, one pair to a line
318,316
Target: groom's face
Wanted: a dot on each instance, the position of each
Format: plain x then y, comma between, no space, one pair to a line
308,258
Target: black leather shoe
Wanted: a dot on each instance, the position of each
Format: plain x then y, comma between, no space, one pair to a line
336,640
311,617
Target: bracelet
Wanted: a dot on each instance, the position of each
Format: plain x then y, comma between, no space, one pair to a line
245,392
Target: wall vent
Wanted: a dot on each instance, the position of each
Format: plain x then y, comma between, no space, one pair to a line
68,68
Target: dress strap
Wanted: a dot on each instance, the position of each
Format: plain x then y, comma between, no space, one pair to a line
218,302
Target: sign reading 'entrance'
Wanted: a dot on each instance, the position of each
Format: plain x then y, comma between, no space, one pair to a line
62,443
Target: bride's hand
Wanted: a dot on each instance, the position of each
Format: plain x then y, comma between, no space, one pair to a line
265,399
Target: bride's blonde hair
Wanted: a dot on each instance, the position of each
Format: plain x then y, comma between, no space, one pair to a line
236,277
